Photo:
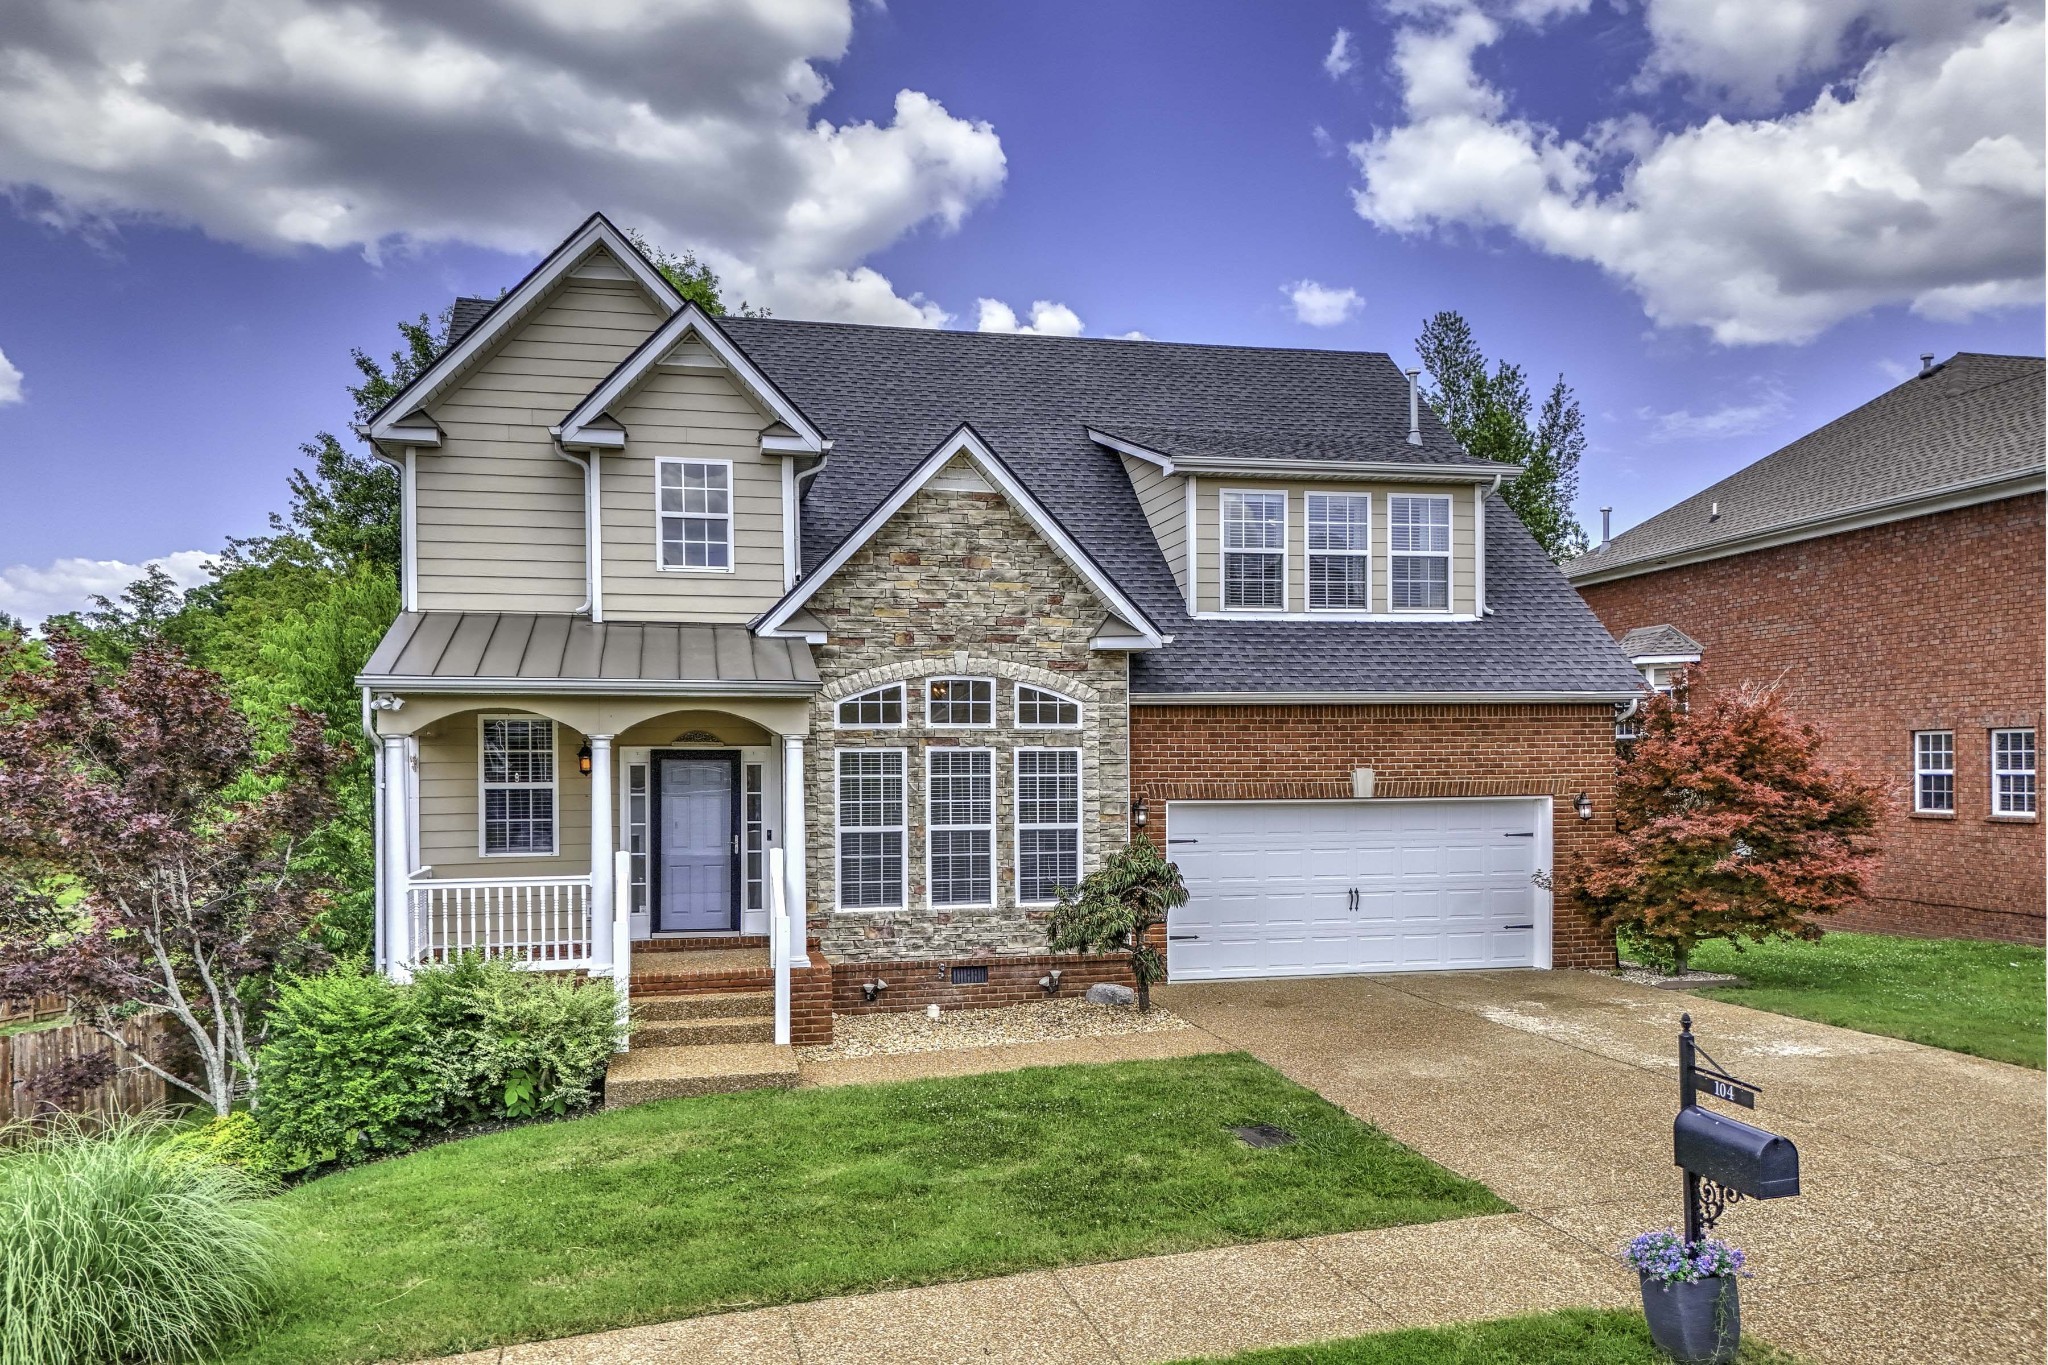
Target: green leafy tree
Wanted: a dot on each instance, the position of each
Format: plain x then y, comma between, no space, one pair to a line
148,611
1489,411
693,279
1115,909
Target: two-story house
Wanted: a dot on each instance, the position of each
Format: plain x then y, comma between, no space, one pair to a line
811,661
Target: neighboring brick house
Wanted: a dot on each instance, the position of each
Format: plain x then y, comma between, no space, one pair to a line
812,660
1886,573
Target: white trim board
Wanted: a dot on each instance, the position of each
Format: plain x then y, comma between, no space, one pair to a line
966,441
1377,698
1419,471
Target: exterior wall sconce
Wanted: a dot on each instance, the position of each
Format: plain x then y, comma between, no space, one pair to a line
1139,815
1583,804
583,759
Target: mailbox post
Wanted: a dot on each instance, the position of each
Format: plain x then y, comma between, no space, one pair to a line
1724,1160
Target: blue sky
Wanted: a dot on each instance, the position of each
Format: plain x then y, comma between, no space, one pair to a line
1724,221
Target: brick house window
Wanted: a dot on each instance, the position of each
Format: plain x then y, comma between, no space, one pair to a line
960,702
695,502
1419,549
871,829
2012,773
878,708
1338,545
517,777
1048,823
960,815
1934,771
1254,550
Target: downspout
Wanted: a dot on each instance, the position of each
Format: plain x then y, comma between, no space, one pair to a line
804,476
1479,596
591,547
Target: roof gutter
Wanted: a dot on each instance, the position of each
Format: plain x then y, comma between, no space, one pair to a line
638,687
593,546
1411,470
1377,698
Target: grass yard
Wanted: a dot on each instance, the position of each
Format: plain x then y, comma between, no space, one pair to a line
736,1201
1576,1337
1986,999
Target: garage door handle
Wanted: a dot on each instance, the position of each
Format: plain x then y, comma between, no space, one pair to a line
1518,926
1183,841
1519,834
1181,938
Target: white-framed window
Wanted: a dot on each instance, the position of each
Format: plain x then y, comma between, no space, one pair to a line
2012,773
516,778
754,816
1934,771
960,702
872,846
636,834
1419,553
878,708
1254,550
960,826
694,517
1339,549
1048,816
1041,708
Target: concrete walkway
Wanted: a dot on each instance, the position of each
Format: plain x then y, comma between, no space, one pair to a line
1918,1239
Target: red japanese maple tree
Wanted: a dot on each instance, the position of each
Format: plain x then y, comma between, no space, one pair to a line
1727,825
146,854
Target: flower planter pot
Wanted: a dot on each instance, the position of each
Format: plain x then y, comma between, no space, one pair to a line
1699,1323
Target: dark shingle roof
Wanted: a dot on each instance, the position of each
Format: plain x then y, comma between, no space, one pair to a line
1658,642
466,313
1975,419
888,396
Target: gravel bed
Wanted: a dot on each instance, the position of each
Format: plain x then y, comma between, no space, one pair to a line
1045,1021
1643,976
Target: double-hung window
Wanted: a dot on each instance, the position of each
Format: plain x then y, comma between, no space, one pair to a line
1338,527
871,829
960,819
1048,823
694,498
1934,771
1254,550
968,702
2012,773
1419,553
518,786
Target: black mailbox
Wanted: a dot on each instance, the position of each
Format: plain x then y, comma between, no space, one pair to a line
1735,1155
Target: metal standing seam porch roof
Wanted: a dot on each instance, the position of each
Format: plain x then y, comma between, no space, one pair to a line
488,651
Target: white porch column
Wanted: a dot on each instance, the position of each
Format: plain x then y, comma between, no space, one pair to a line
601,849
393,841
793,840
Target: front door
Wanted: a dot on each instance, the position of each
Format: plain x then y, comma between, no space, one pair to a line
696,845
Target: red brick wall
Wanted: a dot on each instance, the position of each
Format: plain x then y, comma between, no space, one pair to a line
1011,981
1934,623
1278,753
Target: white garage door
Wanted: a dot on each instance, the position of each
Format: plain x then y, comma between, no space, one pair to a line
1320,887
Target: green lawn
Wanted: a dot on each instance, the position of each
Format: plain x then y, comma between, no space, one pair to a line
735,1201
1576,1337
1986,999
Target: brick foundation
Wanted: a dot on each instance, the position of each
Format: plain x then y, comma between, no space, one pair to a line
1932,623
1280,753
1011,981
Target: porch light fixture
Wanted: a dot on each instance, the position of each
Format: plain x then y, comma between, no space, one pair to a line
1138,813
1583,804
583,759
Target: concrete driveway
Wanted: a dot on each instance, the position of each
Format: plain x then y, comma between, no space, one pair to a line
1919,1236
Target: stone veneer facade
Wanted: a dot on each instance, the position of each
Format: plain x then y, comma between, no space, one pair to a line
957,583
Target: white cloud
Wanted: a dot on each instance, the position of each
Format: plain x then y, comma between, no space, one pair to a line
1048,319
1318,305
10,381
337,124
1917,180
1339,60
1737,418
33,593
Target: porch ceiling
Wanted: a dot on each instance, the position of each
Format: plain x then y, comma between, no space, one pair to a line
470,651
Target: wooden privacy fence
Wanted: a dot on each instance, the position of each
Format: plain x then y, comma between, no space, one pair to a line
29,1011
26,1053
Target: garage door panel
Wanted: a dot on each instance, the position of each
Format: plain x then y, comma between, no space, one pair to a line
1271,886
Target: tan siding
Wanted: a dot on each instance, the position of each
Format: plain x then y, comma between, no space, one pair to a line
499,514
1165,504
451,806
691,415
1208,567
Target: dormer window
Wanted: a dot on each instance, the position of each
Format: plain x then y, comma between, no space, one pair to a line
695,518
1339,526
1254,550
1419,550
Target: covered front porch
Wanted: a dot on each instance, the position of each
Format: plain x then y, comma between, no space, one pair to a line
567,822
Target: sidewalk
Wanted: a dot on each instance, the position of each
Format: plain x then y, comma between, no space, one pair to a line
1158,1308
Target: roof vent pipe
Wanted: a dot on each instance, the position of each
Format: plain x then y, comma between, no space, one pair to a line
1926,363
1414,409
1714,512
1606,527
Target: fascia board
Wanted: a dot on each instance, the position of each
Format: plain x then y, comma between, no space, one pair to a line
587,686
1378,470
1374,698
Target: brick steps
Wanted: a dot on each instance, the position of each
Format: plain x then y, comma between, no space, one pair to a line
647,1074
706,1005
705,1032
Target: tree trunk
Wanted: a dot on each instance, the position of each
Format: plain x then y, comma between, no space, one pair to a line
1144,993
1681,954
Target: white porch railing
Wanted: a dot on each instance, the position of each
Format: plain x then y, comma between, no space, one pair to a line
543,921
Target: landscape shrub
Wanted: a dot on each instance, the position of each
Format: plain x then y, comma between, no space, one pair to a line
235,1139
516,1043
117,1248
351,1070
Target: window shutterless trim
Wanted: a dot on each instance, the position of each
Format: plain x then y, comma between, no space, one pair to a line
484,786
1018,826
1017,708
840,829
988,724
1224,551
1921,771
2030,773
931,757
1450,584
1312,554
729,516
902,709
